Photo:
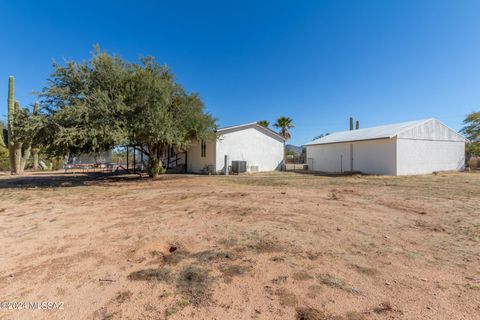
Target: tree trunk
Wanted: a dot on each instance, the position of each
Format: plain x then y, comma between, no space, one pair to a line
35,160
18,157
25,158
153,166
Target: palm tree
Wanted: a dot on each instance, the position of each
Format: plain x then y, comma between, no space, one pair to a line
264,123
284,123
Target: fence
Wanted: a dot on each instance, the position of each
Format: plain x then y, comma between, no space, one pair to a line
295,162
52,164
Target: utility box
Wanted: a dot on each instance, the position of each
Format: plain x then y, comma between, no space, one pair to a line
239,166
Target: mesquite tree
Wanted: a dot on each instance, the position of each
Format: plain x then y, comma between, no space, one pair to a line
106,102
84,106
471,130
162,114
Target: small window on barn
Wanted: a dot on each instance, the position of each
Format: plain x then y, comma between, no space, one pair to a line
204,149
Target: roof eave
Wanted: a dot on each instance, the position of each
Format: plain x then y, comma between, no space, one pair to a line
349,141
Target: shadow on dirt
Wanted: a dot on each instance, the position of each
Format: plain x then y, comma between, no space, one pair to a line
65,180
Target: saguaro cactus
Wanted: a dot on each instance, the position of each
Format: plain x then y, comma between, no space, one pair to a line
351,123
17,146
357,125
35,150
11,111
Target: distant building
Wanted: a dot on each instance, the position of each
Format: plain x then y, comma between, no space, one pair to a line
257,147
416,147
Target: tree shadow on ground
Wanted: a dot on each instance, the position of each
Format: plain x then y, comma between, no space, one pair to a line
68,180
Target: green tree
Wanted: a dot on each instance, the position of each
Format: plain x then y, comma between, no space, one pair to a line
163,115
321,136
27,126
85,105
471,130
106,102
4,160
284,124
471,127
264,123
473,149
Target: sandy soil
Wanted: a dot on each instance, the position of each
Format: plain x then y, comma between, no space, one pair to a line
266,246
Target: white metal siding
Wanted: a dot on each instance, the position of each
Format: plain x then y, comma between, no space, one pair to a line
329,157
431,130
251,145
374,157
426,156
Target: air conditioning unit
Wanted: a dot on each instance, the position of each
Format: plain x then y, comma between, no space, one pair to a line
239,166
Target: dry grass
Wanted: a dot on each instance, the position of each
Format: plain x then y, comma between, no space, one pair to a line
233,270
160,274
335,282
194,283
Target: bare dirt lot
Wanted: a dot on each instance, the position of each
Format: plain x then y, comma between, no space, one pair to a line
266,246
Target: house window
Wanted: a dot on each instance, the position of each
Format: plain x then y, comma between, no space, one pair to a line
203,149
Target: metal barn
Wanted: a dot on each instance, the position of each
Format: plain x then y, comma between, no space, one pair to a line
415,147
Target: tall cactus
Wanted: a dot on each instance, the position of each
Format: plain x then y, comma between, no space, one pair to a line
17,146
357,125
11,111
351,123
18,151
35,150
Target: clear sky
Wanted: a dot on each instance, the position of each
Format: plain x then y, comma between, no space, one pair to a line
318,62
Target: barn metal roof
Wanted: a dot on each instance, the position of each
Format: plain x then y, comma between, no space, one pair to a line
373,133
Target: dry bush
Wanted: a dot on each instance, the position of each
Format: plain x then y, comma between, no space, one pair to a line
159,274
334,282
194,283
286,298
211,255
233,270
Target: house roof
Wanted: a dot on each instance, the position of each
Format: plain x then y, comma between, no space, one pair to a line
373,133
250,125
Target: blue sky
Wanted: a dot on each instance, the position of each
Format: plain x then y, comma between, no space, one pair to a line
319,62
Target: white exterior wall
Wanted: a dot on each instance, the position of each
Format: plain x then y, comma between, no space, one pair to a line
329,157
251,145
373,156
197,163
426,156
431,130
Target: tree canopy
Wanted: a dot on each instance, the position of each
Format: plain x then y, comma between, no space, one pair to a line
97,105
284,124
471,130
264,123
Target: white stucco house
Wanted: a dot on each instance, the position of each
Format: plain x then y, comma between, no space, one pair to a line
415,147
260,147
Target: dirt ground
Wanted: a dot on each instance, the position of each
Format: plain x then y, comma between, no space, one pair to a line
265,246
